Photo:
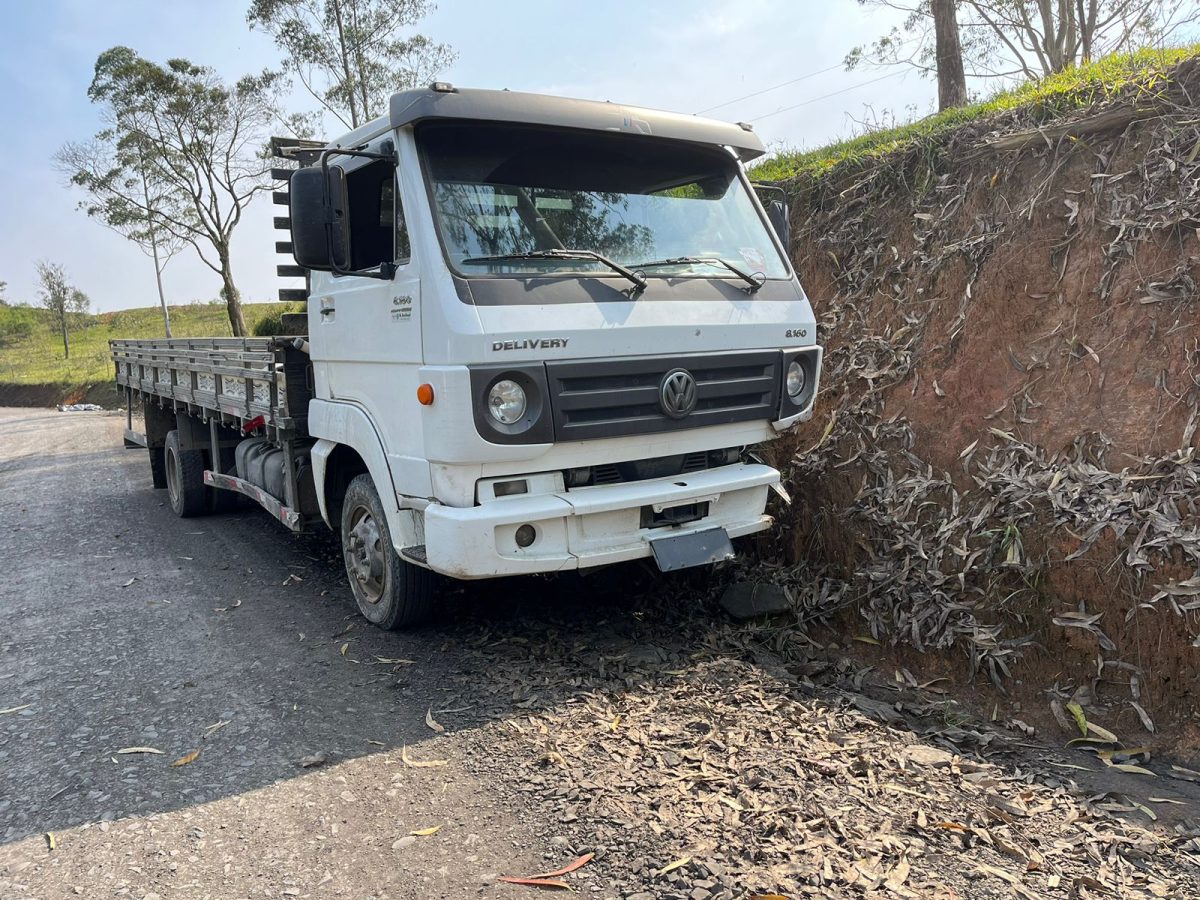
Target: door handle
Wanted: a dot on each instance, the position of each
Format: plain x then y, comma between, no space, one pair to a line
326,310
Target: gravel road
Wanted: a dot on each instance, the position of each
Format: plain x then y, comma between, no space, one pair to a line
193,709
127,628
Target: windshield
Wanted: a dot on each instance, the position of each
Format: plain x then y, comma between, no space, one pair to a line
504,191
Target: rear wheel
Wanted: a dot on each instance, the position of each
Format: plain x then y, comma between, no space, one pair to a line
185,479
390,592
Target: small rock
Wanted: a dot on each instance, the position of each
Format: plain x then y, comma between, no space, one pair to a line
930,757
749,600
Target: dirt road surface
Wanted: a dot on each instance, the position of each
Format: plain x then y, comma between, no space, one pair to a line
193,709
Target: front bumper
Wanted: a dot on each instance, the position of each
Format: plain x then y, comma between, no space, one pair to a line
590,526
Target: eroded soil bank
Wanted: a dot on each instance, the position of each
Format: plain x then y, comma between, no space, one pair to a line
1002,470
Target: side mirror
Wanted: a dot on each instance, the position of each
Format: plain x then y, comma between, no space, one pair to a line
777,215
320,224
775,204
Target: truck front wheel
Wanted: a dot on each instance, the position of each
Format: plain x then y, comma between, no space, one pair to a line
390,592
185,478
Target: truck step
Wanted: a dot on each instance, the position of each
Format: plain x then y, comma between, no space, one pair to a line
416,553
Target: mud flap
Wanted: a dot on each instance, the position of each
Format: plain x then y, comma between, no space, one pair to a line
696,549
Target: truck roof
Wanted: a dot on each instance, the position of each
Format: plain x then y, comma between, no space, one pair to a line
443,101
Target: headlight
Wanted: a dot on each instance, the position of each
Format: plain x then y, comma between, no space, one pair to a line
796,380
507,402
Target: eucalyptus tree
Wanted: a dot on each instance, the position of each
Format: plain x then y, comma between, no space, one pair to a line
1021,38
351,55
62,298
182,154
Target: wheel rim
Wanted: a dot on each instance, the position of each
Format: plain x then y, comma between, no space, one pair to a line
365,554
172,477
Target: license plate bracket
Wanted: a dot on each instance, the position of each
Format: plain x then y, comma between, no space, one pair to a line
683,551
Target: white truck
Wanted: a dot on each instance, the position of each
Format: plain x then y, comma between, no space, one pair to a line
542,334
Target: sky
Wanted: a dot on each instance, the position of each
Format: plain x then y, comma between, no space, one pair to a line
681,55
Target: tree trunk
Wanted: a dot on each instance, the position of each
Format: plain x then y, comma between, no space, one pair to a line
162,297
952,81
233,302
66,344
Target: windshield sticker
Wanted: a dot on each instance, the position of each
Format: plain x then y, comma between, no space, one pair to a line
754,258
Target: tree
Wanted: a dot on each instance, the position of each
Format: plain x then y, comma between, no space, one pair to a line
61,298
125,198
952,80
1027,38
348,54
3,291
182,154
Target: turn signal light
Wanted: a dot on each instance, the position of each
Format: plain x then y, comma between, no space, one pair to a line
425,394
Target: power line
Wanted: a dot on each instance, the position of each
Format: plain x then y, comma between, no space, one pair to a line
825,96
768,90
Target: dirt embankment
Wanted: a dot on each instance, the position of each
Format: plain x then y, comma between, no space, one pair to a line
103,394
1004,462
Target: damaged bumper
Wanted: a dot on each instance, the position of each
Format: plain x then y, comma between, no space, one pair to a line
593,526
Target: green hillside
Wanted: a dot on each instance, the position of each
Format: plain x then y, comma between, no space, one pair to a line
31,350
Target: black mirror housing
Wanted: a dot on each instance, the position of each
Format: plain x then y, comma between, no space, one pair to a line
320,225
777,215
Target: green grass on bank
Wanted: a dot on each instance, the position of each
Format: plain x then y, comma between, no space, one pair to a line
1136,73
31,350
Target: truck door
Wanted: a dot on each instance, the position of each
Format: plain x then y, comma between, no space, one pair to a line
365,332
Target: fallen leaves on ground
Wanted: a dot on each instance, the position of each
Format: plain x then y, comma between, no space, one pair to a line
433,723
419,763
426,832
129,750
186,760
550,879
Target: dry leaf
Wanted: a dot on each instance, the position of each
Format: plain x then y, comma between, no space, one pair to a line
50,842
535,882
15,709
317,759
1133,770
215,727
426,832
342,650
186,759
139,750
234,605
570,867
1076,712
420,763
671,867
433,723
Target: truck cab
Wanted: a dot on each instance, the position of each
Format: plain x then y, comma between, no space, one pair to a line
548,329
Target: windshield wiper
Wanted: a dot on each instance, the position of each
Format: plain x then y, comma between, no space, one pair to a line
754,281
638,280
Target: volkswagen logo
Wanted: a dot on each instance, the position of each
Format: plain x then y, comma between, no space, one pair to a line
677,393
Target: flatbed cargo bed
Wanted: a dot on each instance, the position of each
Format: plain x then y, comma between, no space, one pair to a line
237,380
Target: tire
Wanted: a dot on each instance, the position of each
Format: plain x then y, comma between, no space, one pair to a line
185,479
158,468
390,592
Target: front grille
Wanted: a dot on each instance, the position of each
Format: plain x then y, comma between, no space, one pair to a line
613,397
643,469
